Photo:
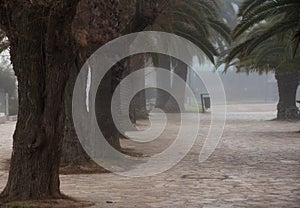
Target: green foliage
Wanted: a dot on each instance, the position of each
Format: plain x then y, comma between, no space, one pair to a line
279,18
193,108
198,21
271,54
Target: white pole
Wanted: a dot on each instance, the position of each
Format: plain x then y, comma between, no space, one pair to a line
6,105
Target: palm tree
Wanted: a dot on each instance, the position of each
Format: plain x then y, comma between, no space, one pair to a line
197,20
200,22
272,55
266,27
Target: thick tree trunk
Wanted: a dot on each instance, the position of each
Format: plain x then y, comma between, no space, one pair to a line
42,55
89,35
287,88
181,69
72,151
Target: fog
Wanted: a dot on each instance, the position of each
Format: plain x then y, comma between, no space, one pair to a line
240,88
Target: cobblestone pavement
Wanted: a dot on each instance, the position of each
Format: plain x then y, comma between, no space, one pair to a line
257,164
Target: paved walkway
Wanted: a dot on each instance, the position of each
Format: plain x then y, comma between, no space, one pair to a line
257,164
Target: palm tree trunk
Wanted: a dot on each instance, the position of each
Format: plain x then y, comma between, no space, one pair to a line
287,88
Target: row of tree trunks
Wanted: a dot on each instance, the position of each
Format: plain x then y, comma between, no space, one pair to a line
163,99
95,23
287,88
42,54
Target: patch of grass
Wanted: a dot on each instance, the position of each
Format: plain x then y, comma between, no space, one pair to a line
193,108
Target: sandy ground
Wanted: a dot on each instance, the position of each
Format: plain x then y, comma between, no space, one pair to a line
256,164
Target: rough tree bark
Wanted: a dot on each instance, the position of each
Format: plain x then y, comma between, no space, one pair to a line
287,88
72,151
42,54
95,23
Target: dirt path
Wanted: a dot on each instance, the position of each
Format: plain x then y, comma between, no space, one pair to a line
257,164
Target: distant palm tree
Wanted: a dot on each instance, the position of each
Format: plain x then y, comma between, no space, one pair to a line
272,55
267,38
